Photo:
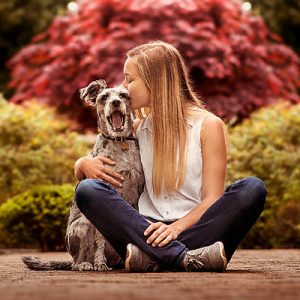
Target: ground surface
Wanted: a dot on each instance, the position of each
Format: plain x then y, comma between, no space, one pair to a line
251,274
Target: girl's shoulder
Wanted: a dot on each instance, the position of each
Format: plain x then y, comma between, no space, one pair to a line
208,123
201,115
213,128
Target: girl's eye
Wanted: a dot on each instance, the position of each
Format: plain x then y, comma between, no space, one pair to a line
128,81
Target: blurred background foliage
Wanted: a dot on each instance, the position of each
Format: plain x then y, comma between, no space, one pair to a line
36,218
268,145
20,21
36,147
242,62
224,46
282,17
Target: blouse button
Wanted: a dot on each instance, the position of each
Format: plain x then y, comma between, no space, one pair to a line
167,212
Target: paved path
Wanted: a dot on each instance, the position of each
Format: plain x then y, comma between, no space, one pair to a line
251,274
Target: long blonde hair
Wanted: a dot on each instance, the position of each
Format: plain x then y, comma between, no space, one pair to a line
165,74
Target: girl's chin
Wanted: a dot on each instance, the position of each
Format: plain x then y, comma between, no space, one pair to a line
135,107
139,107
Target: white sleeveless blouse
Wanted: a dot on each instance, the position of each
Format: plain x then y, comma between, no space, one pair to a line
175,206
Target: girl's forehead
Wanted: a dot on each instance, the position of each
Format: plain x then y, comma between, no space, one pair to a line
130,68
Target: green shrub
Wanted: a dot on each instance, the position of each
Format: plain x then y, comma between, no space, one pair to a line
35,148
37,217
268,146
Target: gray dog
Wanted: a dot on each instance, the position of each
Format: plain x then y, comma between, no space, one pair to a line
89,249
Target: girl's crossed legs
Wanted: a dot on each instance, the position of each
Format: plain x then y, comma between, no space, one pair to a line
227,220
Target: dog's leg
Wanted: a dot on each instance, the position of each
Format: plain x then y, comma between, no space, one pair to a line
100,262
74,216
77,239
81,244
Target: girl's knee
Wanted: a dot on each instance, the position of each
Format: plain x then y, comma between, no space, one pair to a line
257,185
83,188
90,189
82,192
256,190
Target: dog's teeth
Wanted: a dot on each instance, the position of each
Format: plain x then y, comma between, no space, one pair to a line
113,127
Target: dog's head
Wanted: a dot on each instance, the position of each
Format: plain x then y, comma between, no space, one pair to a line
115,115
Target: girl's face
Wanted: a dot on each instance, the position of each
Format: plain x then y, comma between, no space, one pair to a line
140,95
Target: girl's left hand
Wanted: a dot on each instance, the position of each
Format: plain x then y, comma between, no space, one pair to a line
163,234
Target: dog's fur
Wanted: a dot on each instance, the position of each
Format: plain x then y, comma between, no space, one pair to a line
89,249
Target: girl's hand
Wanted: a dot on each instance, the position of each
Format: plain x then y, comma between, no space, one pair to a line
94,168
163,234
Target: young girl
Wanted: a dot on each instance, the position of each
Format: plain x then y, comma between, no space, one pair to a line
186,221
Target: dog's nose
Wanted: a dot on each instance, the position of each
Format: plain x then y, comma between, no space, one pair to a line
116,103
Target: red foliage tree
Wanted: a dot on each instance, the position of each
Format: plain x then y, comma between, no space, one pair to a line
236,63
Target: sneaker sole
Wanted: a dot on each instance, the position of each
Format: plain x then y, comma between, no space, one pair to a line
223,255
128,257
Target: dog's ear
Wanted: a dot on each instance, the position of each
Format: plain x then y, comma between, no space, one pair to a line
89,94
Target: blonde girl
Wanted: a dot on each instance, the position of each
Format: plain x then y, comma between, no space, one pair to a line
186,220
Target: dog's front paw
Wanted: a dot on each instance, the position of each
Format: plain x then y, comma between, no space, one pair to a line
101,267
84,266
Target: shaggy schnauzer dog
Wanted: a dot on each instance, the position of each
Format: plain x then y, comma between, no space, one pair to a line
89,249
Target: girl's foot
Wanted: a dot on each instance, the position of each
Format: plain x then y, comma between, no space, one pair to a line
139,261
210,258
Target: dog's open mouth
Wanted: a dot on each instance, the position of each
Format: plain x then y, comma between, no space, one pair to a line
116,120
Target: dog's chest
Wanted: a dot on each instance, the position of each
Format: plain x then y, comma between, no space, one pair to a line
128,164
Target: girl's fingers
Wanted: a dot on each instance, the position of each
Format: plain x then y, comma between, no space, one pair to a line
111,180
113,173
160,238
107,174
156,234
106,160
152,227
166,241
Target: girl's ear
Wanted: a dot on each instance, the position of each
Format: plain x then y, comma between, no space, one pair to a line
89,94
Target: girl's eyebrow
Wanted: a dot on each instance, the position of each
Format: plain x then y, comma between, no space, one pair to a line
127,74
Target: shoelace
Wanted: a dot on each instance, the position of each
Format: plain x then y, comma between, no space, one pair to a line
194,262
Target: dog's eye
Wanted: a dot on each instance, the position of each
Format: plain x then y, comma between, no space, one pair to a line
124,95
103,98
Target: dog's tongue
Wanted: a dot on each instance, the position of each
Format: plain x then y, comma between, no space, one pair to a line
117,119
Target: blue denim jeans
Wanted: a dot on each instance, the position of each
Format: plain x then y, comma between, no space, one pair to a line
227,220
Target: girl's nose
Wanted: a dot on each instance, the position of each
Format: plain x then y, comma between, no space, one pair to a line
124,83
